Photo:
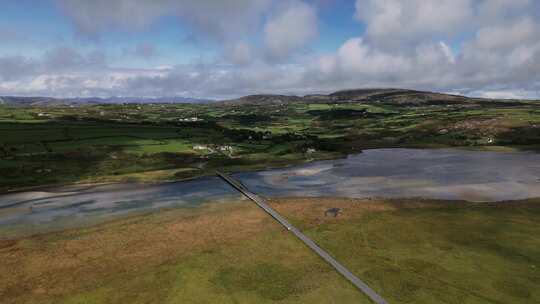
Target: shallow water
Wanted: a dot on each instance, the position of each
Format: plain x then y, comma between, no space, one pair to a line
41,211
441,174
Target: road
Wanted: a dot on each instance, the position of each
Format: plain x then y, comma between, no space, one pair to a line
376,298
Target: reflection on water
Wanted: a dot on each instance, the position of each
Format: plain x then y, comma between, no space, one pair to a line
33,212
443,174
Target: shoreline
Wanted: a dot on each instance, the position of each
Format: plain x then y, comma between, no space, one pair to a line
96,224
50,187
421,174
200,210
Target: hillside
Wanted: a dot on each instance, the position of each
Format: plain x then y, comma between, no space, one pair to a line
391,96
264,99
368,96
49,101
397,96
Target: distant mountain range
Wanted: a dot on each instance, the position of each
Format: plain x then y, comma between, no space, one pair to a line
49,101
384,95
395,96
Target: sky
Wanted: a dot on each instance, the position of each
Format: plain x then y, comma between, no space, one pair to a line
229,48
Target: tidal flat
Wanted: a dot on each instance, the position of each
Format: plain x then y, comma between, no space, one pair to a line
409,250
446,174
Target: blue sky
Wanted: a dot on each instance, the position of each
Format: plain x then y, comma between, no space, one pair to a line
47,26
224,49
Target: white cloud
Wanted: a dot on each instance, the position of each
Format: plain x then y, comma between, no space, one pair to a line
392,22
294,25
506,94
239,53
447,51
15,67
354,56
209,18
484,48
522,55
495,10
91,17
65,58
434,54
499,37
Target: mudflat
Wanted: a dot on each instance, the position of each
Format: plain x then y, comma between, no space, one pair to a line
410,251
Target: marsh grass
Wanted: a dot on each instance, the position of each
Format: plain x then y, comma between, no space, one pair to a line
410,251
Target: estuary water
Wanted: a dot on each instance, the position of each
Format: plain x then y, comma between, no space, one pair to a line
441,174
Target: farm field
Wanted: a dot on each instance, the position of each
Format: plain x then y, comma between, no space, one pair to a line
44,145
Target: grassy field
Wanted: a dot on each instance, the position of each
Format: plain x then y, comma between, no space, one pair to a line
96,143
411,251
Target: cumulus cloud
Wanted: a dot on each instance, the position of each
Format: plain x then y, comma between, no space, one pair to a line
214,19
293,26
487,48
502,53
354,57
56,72
447,51
496,10
15,67
60,59
394,22
91,17
66,58
502,94
503,37
240,53
358,64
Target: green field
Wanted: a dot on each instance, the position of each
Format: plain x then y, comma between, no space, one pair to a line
104,143
463,253
410,251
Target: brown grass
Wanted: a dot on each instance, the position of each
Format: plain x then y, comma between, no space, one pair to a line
312,210
55,264
42,268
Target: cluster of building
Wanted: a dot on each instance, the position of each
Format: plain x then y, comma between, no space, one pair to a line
224,149
190,119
